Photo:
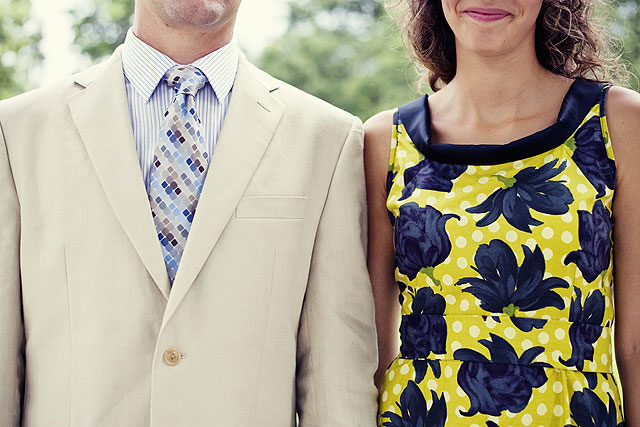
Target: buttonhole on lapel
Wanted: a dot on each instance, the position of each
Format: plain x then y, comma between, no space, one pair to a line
264,106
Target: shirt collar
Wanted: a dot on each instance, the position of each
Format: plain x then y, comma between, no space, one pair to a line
145,67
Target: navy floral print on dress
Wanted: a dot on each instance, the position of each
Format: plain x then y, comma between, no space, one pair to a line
585,328
430,175
594,233
424,331
531,188
391,176
587,410
413,410
421,366
590,154
504,382
421,240
505,287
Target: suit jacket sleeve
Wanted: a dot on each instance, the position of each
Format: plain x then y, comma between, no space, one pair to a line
11,324
337,354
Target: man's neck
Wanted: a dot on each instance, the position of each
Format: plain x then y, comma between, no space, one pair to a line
182,44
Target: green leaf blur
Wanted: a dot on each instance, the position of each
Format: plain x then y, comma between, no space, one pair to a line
347,52
19,46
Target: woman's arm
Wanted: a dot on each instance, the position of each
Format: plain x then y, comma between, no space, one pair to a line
380,258
623,119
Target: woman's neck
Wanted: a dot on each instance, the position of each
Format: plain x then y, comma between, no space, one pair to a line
494,90
497,98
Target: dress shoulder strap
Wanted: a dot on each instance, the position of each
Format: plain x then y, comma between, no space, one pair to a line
414,116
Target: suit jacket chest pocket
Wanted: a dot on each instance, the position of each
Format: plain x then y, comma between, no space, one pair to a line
271,207
272,227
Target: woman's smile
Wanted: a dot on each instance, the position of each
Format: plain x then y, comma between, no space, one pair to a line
486,15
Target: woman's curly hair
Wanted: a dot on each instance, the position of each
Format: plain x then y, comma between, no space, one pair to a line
570,41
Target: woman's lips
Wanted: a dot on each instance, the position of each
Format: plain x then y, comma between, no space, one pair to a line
486,15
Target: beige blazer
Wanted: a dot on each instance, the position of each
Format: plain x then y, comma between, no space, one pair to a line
271,312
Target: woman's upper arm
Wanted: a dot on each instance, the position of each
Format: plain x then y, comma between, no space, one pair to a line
623,121
380,257
377,146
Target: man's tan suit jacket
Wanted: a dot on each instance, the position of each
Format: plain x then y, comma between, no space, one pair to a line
271,309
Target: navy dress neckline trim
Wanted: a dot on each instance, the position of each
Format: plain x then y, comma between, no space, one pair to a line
580,98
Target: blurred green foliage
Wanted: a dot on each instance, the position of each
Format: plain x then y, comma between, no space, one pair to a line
625,24
101,25
19,46
347,52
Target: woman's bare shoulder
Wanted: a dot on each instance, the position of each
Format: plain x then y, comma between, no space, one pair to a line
622,109
622,112
378,131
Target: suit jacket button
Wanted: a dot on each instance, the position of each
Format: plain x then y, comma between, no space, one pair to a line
171,357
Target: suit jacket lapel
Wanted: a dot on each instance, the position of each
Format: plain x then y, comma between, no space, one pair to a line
101,115
248,127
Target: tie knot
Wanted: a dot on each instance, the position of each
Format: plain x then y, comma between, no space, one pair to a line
185,79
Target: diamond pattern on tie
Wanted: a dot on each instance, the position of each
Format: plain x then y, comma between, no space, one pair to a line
179,166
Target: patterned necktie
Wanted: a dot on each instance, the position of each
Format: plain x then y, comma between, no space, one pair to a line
179,166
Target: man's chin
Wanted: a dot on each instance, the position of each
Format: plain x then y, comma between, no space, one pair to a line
197,13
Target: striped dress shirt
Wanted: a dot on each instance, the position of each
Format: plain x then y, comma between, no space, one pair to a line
149,97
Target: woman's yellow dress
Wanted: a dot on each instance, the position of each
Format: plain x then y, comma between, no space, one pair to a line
504,262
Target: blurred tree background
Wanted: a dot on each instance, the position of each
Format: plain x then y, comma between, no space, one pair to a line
19,46
625,24
347,52
100,26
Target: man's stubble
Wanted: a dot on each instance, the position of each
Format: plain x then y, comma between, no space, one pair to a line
197,13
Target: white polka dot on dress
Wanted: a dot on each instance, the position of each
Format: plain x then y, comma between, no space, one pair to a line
543,337
542,409
462,262
397,389
457,326
511,236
